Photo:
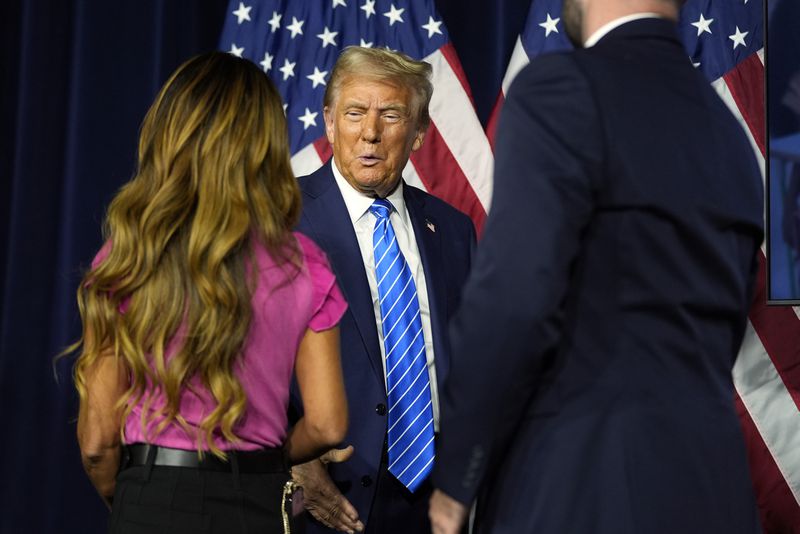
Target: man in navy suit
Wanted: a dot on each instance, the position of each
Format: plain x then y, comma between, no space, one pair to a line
592,392
376,114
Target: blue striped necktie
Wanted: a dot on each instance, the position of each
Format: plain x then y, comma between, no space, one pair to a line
410,443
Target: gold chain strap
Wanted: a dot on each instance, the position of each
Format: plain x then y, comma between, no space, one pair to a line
286,503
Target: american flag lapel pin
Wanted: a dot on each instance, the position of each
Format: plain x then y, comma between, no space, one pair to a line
430,226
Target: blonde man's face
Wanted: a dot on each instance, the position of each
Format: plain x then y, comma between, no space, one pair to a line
373,127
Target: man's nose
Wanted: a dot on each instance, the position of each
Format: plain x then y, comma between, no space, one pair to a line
371,128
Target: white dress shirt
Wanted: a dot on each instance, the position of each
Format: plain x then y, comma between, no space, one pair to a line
607,27
363,220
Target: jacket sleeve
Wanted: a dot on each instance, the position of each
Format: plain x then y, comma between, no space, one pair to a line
547,169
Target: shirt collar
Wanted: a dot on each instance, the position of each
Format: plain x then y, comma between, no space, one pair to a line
358,203
603,30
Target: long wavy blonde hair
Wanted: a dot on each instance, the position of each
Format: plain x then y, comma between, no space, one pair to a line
213,174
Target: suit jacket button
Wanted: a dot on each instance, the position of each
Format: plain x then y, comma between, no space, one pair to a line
380,409
366,481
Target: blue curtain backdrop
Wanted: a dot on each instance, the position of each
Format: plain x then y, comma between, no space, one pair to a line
76,79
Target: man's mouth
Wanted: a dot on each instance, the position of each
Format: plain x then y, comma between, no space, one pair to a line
369,160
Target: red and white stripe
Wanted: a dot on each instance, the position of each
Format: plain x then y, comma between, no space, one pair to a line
519,58
767,371
455,162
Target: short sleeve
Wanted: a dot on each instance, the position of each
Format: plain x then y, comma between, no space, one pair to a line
102,254
328,303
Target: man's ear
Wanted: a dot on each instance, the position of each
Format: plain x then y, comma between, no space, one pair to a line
419,137
327,113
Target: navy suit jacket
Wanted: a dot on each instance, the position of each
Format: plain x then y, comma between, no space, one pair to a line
608,301
445,238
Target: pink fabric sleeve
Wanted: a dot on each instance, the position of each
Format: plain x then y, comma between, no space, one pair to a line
328,303
102,254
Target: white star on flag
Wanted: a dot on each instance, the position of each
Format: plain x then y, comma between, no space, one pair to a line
287,69
339,3
394,15
275,21
308,119
550,25
243,13
235,50
432,26
738,38
296,27
703,25
266,63
328,37
369,8
318,78
365,44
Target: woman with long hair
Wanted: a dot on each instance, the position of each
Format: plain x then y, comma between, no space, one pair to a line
197,311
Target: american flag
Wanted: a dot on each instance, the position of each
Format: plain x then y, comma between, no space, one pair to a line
297,42
543,33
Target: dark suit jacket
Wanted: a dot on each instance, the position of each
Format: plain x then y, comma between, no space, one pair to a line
592,391
445,253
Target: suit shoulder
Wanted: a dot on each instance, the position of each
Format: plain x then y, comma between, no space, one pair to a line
317,182
304,182
562,60
438,206
552,69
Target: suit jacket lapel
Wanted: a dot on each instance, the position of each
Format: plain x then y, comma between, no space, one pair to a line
430,252
329,217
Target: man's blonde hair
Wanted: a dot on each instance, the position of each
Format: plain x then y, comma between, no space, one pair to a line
383,64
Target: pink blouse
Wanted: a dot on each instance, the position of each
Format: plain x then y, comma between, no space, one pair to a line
282,312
